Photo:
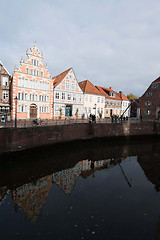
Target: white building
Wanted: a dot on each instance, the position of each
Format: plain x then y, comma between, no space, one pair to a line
67,96
125,108
93,99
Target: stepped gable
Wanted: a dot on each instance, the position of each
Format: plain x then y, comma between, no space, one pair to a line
157,80
57,79
88,87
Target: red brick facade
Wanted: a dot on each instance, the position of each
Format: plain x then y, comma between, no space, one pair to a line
150,101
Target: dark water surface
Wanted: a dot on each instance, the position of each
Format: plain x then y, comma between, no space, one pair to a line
92,190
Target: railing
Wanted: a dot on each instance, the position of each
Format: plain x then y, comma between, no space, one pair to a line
52,122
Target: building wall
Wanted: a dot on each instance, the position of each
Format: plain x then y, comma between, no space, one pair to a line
125,104
93,104
4,91
68,93
32,85
112,107
150,102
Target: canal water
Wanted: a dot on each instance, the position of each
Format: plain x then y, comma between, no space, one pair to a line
88,190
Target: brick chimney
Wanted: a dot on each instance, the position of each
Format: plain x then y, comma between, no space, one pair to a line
110,88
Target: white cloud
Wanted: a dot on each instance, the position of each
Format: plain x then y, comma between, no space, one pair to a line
111,43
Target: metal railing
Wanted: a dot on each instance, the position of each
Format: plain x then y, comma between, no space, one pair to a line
52,122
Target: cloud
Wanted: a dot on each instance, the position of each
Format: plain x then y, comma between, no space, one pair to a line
111,43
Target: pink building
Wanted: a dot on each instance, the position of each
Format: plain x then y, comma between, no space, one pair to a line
32,85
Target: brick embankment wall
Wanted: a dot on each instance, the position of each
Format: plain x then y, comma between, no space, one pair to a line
12,139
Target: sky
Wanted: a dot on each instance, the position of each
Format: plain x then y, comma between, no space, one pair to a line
112,43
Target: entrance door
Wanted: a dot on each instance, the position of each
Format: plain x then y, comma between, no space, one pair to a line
33,111
68,111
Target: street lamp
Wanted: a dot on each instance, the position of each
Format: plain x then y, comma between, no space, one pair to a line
16,99
95,108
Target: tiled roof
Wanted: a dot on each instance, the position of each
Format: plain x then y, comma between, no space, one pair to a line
157,80
5,68
57,79
88,87
103,90
123,97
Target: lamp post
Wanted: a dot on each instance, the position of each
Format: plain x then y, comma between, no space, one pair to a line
95,108
16,99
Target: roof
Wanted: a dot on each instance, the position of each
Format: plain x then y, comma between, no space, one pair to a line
103,90
5,68
57,79
88,87
122,96
157,80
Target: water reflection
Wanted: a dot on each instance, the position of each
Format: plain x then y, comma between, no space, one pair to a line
30,182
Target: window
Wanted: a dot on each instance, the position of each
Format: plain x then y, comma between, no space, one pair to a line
26,96
19,96
80,98
102,100
5,95
69,96
57,95
32,71
27,70
22,96
37,63
73,86
90,98
19,82
89,110
34,62
148,103
86,109
74,97
5,81
41,74
86,97
25,108
148,94
63,95
56,109
67,85
98,110
98,100
106,111
37,73
102,110
40,98
155,85
22,108
147,112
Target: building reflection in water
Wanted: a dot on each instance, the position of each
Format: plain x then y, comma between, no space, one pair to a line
30,197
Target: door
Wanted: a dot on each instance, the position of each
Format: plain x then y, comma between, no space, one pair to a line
33,111
68,111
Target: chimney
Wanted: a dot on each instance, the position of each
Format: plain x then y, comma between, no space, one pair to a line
111,88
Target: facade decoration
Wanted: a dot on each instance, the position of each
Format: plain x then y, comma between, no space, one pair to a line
5,78
93,100
67,96
115,103
32,88
150,101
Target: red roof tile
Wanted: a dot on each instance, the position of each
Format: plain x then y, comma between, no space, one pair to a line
57,79
88,87
103,90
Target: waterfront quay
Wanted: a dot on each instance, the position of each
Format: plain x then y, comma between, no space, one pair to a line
14,139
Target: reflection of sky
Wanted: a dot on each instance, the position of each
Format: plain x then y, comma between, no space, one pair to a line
100,206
